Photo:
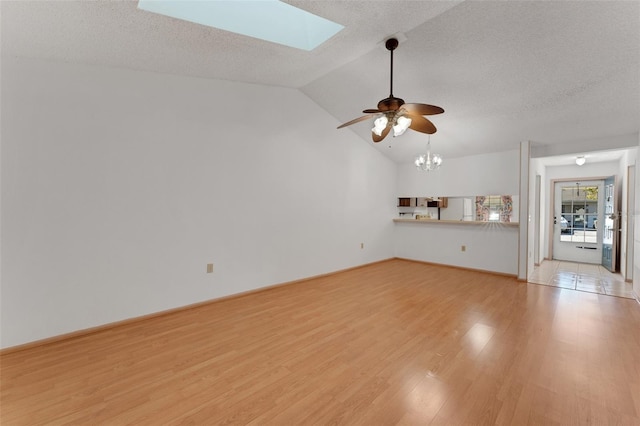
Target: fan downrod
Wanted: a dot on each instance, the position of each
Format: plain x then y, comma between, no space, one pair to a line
391,45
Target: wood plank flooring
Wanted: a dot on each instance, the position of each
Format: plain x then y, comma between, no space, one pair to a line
394,343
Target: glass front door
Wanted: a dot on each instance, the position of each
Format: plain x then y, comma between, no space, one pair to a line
610,229
577,214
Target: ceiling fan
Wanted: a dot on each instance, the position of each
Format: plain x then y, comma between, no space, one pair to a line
395,113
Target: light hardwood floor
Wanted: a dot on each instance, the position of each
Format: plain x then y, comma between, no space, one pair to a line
396,342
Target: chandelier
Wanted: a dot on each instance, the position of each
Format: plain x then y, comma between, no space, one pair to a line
428,161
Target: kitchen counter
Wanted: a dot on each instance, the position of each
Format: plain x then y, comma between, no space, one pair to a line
456,222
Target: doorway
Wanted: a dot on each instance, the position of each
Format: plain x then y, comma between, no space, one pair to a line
561,168
578,210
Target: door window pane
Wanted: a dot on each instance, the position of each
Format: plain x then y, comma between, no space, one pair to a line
578,222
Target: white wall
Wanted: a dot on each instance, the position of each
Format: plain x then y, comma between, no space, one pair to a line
538,169
636,242
118,187
525,233
628,159
495,173
491,247
624,141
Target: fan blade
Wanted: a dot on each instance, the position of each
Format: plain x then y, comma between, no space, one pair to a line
356,120
422,109
385,132
421,124
372,111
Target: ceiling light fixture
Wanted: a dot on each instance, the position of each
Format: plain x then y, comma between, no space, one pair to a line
428,161
580,160
400,124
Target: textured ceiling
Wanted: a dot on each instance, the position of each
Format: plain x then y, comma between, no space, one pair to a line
546,71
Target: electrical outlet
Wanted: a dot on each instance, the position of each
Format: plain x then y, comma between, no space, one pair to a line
463,248
209,268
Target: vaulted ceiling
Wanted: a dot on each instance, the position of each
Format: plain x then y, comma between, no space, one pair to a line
551,72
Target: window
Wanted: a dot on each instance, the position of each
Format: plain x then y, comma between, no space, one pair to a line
494,208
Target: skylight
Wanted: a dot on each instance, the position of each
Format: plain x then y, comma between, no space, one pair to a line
270,20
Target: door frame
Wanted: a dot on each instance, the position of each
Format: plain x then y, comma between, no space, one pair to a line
537,219
630,225
617,221
552,201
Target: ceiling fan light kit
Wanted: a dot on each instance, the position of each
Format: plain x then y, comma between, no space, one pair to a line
379,124
394,113
402,124
399,126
